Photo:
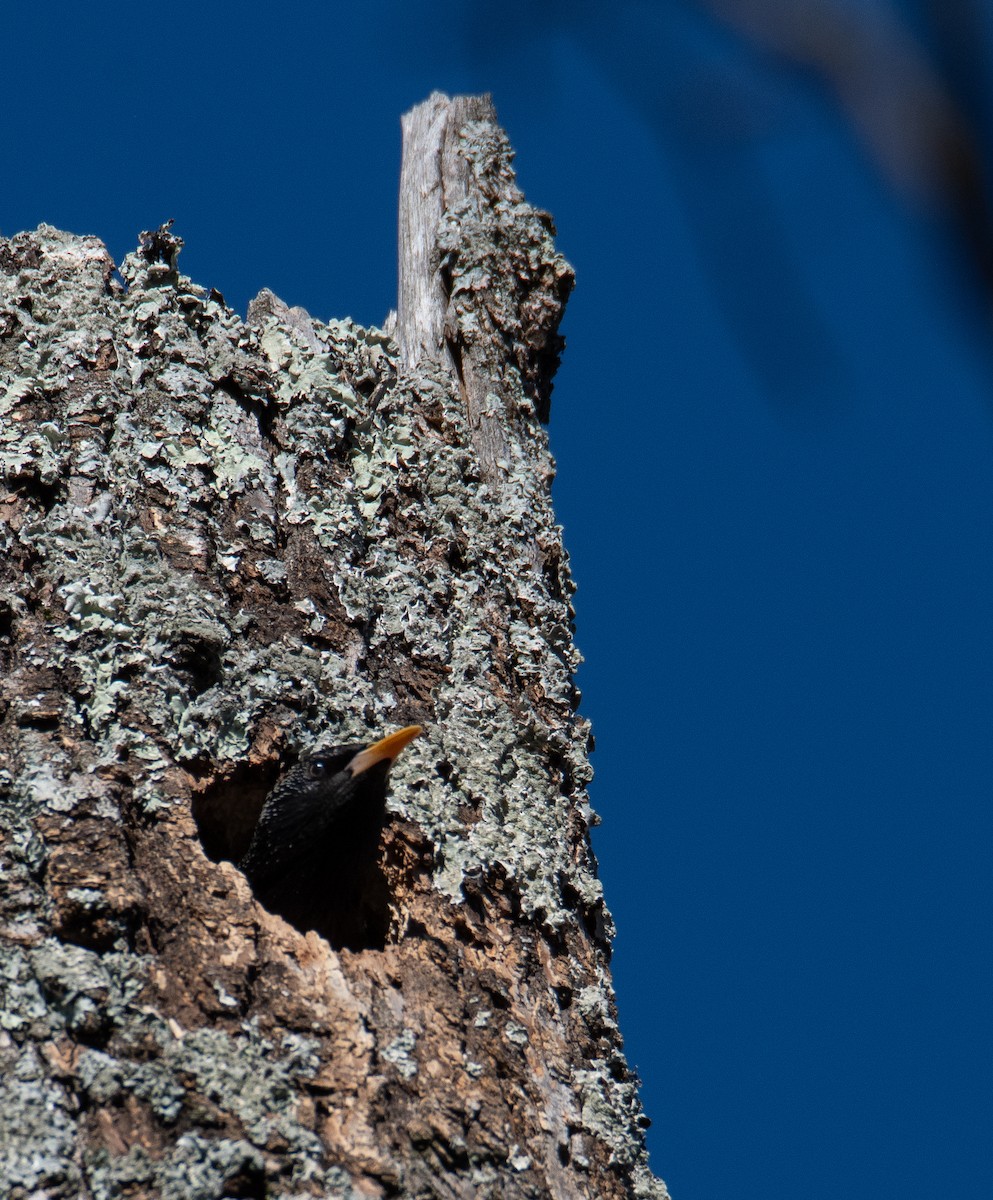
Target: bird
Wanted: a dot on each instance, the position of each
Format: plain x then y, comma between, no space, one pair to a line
312,857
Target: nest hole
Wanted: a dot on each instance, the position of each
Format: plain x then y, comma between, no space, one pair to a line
369,916
226,810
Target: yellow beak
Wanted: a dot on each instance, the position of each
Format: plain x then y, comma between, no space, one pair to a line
388,747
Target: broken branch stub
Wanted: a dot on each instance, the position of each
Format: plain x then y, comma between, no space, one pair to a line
482,289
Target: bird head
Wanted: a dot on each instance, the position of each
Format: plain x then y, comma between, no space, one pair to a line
337,775
340,790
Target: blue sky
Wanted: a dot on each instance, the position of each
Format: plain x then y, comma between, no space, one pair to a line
774,429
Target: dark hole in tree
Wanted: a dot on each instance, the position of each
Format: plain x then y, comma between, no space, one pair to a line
198,661
6,619
356,917
43,721
246,1182
43,493
226,811
563,993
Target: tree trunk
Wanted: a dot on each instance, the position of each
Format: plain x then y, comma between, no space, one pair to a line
225,543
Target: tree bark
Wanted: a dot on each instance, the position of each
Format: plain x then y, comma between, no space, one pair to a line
228,542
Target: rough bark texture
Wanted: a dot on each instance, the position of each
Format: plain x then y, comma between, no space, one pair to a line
228,541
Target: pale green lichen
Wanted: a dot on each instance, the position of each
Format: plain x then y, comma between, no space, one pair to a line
400,1054
37,1127
516,1034
243,1074
199,1168
23,1007
57,986
110,1176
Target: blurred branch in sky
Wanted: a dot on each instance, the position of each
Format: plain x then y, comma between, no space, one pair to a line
901,105
720,82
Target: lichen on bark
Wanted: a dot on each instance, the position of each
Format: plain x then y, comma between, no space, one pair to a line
224,542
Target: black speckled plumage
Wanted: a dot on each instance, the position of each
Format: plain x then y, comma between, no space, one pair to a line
312,858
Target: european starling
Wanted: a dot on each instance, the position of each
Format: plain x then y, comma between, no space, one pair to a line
313,854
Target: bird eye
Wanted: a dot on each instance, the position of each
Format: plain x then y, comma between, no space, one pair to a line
318,768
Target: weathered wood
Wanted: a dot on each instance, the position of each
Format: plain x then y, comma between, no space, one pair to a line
422,299
224,543
482,287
